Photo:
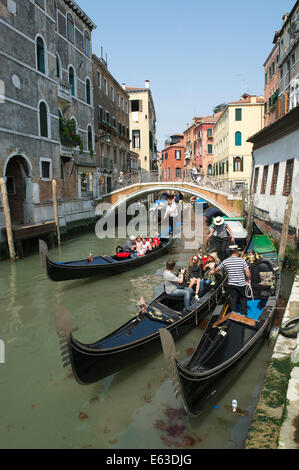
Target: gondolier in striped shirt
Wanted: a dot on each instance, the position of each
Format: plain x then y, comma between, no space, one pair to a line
238,273
222,232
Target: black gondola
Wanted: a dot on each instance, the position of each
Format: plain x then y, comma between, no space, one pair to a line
229,340
107,265
136,339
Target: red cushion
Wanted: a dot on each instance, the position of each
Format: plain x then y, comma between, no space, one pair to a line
122,255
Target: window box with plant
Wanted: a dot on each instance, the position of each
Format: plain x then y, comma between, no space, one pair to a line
68,135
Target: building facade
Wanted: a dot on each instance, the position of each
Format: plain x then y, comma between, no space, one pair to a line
272,80
232,152
172,159
112,135
289,62
143,126
276,175
47,114
204,144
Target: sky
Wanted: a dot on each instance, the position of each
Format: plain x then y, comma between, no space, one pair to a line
196,54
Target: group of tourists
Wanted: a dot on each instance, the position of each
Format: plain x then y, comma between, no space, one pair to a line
237,269
140,245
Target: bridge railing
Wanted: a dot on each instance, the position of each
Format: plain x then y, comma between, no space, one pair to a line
208,182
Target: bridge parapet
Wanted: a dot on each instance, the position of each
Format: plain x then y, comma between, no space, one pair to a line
229,203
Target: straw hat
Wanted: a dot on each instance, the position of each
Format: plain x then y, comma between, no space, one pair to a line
132,238
219,220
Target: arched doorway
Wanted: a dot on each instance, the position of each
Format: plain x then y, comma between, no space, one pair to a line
18,174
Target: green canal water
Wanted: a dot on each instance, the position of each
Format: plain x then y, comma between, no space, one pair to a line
43,407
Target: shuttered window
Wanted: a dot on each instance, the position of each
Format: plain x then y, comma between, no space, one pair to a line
274,178
43,119
256,178
238,114
238,138
70,28
288,177
88,100
72,80
264,180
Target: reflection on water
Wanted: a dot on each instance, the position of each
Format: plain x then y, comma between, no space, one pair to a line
42,406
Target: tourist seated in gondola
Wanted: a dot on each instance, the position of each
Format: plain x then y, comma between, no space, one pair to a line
196,277
210,264
130,245
153,243
173,285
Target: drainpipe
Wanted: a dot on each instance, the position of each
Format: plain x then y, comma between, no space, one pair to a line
9,233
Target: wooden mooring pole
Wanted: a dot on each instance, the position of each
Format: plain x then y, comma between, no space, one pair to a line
55,208
9,233
285,229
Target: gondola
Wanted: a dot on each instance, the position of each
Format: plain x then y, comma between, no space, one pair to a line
230,339
136,339
106,265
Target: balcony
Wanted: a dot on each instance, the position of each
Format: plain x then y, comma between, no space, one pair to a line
64,92
106,164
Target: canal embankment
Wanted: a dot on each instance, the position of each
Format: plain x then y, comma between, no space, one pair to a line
275,423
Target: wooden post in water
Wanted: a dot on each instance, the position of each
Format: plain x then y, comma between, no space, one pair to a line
249,214
55,208
285,229
9,233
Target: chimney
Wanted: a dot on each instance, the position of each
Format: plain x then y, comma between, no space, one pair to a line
124,86
147,83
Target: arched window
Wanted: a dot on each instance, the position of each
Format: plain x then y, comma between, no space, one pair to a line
43,120
70,28
40,54
238,164
88,100
238,138
87,43
72,80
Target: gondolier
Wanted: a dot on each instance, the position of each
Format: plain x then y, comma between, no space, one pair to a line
172,213
238,276
222,232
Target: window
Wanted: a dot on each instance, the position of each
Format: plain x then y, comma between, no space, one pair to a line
40,54
274,178
105,87
99,80
264,179
100,114
45,167
70,28
122,103
72,80
238,164
178,172
238,138
58,66
256,177
118,100
166,156
210,148
89,137
43,119
238,114
107,117
88,96
210,133
40,3
86,184
168,169
210,169
177,154
136,139
288,177
87,43
112,93
136,105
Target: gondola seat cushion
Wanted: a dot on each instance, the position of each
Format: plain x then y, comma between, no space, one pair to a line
123,255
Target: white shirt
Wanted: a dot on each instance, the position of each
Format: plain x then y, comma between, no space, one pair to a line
172,210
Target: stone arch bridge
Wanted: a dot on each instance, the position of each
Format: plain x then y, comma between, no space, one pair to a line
232,205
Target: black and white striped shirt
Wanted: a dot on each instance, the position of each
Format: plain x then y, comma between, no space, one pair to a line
235,268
